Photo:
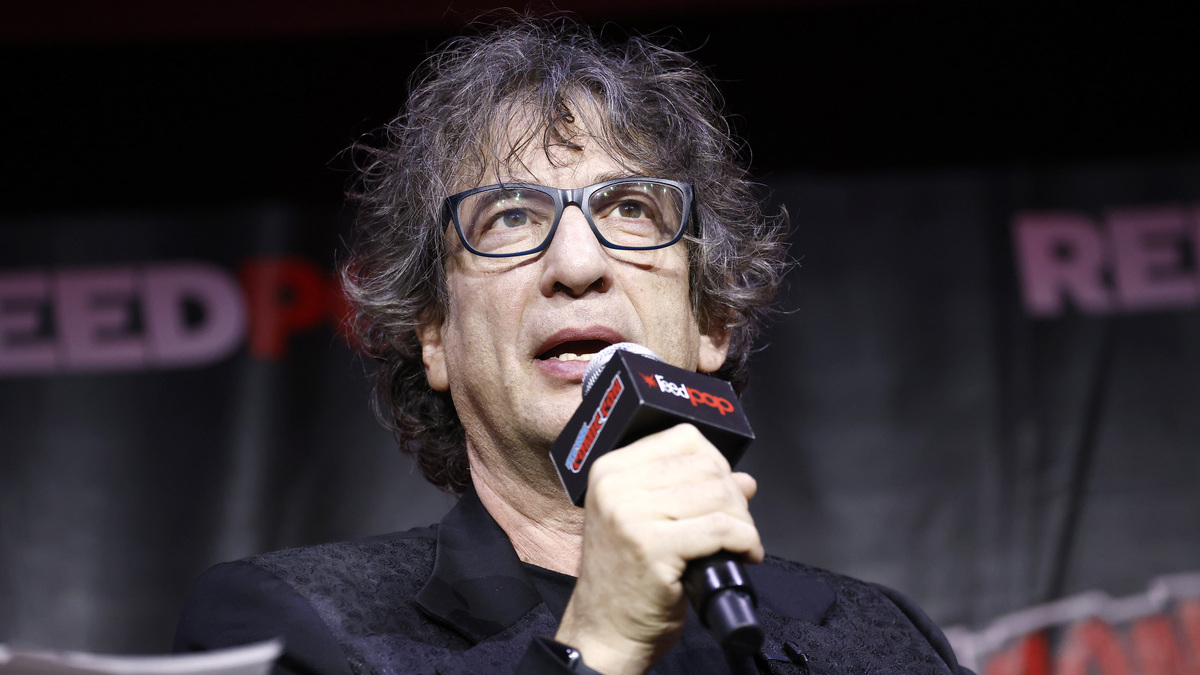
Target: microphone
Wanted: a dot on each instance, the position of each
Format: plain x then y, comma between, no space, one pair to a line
629,393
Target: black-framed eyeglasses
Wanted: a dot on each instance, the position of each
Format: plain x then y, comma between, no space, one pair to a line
630,214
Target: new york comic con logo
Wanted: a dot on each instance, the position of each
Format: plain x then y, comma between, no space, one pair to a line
586,439
696,396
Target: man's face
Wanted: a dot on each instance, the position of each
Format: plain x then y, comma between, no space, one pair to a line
513,344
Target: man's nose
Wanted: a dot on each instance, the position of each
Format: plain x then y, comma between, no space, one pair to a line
576,261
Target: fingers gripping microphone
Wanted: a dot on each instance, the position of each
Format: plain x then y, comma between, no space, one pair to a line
628,393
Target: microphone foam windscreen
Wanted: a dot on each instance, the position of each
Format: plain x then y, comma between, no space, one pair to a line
602,357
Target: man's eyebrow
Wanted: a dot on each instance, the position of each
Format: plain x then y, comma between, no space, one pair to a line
614,175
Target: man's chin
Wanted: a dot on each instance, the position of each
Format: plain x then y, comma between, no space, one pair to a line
548,419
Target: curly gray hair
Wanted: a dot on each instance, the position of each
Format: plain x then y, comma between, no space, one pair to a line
656,110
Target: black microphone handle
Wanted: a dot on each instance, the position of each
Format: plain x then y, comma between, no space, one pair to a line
724,600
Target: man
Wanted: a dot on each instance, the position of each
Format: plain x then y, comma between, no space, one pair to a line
544,195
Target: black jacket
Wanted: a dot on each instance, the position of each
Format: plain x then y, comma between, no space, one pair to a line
455,598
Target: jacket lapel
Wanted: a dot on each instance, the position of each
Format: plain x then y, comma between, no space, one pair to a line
478,586
790,592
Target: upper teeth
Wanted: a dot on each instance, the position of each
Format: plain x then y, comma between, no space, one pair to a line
568,356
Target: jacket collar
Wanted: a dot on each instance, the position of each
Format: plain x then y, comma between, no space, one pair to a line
790,591
478,586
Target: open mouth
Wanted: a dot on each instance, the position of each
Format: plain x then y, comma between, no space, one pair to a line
574,350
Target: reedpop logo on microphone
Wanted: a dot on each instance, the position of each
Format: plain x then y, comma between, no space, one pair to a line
627,404
696,396
590,430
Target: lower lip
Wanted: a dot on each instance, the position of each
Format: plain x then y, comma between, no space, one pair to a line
571,371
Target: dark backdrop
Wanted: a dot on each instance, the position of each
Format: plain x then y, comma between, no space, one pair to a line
918,425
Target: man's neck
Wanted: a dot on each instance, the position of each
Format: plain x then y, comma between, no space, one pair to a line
545,528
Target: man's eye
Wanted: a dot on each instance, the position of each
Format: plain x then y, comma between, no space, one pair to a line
514,218
630,210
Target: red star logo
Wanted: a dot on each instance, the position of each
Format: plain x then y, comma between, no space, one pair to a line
649,380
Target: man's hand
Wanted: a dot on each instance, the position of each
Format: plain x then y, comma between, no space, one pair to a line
651,507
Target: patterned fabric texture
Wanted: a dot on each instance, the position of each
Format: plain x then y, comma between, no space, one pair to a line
455,599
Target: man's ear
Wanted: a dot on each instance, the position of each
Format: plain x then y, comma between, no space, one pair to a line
433,353
714,347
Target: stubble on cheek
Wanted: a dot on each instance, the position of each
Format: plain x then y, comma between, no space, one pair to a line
491,377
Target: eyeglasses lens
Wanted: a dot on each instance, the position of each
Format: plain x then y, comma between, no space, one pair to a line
638,215
506,220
